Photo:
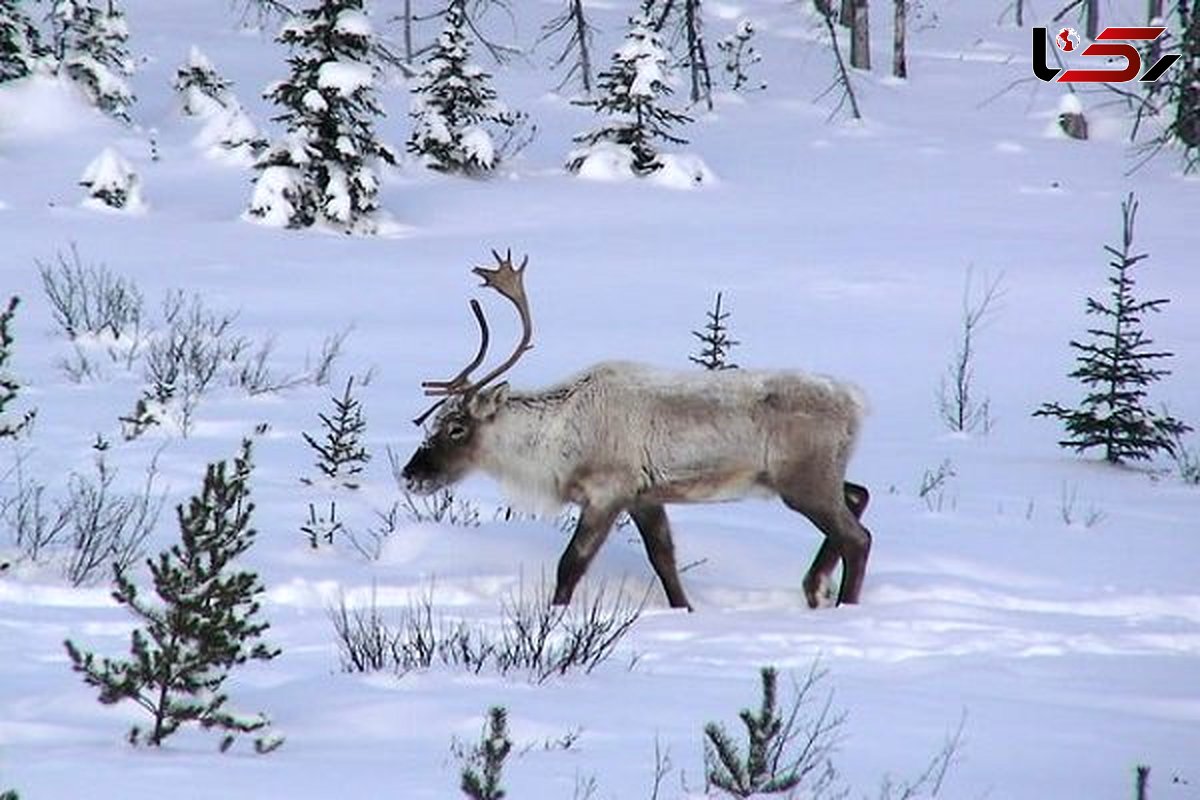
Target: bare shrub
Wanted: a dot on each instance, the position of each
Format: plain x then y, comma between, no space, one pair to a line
90,299
1187,461
105,527
183,359
370,544
365,641
320,370
1072,514
530,637
932,488
927,784
255,375
321,527
959,407
441,506
35,529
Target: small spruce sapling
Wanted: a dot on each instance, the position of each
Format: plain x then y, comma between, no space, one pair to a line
715,341
342,455
740,54
112,183
1115,368
784,751
8,385
204,624
202,91
631,94
484,767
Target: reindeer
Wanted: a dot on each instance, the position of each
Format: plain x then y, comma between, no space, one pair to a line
623,437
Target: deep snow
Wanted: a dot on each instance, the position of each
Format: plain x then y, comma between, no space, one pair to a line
841,248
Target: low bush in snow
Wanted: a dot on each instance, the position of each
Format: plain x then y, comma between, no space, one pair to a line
531,636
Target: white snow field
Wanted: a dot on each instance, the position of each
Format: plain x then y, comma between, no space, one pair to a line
1072,648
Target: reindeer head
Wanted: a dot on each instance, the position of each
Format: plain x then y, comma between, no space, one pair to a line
451,447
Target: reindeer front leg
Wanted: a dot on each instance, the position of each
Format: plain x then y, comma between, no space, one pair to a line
652,524
591,531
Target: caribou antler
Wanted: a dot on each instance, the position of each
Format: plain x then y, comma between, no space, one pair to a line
462,379
509,281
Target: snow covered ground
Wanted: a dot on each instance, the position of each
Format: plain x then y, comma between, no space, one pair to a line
1072,649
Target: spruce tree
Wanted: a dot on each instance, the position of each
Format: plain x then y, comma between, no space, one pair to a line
763,769
111,182
9,387
342,454
1115,367
454,105
90,44
205,95
204,623
715,341
202,91
631,92
325,168
484,769
1183,87
19,43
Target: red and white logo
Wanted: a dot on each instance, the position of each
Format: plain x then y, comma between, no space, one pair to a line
1067,40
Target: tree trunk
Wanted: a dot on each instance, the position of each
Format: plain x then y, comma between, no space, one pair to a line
1020,13
581,31
1092,18
408,20
846,14
899,58
860,39
697,58
1154,16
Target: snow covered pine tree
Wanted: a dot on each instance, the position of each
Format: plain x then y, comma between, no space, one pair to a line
90,46
453,102
19,44
227,131
201,90
631,91
112,183
324,168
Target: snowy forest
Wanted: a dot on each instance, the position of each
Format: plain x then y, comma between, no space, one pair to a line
827,427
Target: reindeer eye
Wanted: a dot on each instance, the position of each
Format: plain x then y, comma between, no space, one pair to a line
457,432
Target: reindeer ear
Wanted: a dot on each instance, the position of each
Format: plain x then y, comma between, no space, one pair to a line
485,404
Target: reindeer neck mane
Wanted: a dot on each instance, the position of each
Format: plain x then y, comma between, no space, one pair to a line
528,446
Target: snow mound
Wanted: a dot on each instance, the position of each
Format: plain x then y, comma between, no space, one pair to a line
609,162
40,106
344,77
